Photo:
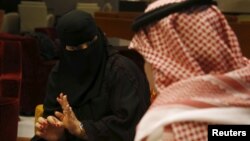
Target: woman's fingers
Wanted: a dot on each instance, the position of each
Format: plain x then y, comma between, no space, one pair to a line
59,99
65,99
42,121
62,100
51,120
59,115
70,111
54,121
41,125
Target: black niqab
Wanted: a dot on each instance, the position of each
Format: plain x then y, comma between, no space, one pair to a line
79,74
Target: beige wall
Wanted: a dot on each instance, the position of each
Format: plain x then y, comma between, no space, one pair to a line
234,6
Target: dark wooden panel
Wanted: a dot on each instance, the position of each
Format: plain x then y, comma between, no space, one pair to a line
242,31
115,27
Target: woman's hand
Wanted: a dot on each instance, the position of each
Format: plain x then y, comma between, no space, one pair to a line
68,117
50,129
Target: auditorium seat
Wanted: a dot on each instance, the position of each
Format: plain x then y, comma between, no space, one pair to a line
35,72
91,8
8,118
11,23
9,100
34,14
10,69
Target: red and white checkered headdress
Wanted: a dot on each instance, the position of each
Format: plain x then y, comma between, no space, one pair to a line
191,43
199,72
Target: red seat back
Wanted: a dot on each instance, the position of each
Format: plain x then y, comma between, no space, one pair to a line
8,118
11,68
34,72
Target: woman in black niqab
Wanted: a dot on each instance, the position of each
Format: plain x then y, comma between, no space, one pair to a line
107,92
79,73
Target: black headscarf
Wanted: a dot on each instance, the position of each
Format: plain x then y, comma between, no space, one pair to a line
79,74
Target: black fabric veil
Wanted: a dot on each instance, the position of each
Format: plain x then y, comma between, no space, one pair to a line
79,74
